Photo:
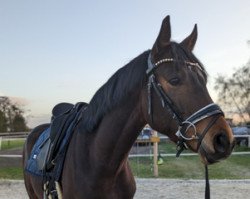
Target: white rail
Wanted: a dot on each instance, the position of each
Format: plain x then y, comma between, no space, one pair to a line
183,154
142,155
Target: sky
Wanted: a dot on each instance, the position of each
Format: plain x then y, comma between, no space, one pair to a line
54,51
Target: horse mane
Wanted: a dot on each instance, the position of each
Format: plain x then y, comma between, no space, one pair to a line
114,91
118,87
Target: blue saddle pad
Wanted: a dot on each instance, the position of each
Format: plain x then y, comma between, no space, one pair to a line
32,166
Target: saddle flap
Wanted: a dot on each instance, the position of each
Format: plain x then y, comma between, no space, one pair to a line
42,156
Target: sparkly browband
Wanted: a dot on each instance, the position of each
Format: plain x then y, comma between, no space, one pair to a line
152,66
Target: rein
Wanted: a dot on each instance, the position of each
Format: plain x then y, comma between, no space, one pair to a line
183,124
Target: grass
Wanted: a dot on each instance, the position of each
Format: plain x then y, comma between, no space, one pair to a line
11,173
235,167
11,144
10,168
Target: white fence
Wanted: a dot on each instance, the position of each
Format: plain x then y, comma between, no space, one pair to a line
12,136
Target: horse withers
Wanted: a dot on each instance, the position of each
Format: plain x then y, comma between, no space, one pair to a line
164,87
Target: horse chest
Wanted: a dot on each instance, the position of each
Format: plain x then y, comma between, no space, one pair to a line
89,184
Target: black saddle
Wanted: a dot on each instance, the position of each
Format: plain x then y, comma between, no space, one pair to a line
65,117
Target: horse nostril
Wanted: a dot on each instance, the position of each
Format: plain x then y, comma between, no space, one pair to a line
221,143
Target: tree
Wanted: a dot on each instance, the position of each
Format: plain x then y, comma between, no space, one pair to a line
19,123
3,122
11,116
234,92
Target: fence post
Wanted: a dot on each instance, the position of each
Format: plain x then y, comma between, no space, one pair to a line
155,139
1,143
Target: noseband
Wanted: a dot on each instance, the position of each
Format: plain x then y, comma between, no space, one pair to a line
183,124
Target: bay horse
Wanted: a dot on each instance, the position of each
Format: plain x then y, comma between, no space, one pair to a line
164,87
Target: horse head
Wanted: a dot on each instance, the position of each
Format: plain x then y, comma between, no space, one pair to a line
178,103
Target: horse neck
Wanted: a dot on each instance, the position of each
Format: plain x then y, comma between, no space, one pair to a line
117,132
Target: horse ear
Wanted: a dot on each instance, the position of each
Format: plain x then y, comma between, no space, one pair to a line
190,41
164,36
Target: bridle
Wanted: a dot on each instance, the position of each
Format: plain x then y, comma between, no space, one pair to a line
183,124
167,103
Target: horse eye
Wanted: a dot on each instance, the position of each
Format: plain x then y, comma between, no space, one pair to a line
174,81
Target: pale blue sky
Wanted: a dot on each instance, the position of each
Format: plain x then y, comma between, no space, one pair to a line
54,51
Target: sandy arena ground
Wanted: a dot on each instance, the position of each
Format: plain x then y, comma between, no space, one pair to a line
158,189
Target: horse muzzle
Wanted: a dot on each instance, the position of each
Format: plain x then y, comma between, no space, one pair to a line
222,148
